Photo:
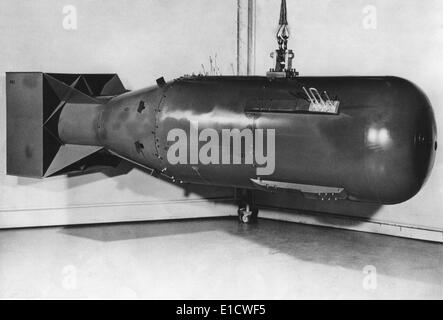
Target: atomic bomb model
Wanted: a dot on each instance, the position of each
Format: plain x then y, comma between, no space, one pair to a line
370,139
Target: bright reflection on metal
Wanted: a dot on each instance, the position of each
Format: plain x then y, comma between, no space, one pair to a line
379,138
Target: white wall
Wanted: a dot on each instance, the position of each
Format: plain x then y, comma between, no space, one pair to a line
329,38
141,40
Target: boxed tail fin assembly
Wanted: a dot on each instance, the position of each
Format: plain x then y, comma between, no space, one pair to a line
34,103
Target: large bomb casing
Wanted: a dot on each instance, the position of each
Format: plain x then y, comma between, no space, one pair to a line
379,146
375,141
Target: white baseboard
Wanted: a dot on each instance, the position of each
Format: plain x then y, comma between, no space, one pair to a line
351,223
200,208
121,212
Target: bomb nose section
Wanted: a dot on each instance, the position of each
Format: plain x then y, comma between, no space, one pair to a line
425,142
403,163
422,135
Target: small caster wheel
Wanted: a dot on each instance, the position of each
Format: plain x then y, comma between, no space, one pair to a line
247,214
245,217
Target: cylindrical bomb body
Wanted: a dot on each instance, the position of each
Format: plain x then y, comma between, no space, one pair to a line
379,147
79,123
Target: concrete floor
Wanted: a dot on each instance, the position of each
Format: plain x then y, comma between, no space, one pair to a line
215,259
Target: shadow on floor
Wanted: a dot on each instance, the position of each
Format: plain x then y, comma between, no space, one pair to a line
397,257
